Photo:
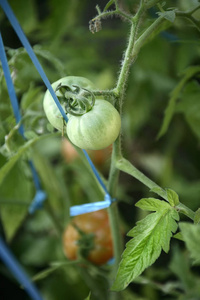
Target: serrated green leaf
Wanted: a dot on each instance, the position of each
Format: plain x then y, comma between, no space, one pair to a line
172,197
152,204
178,236
191,235
30,135
150,236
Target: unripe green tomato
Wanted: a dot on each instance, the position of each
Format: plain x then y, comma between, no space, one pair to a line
96,129
51,110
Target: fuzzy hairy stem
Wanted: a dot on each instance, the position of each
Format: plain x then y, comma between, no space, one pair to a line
119,94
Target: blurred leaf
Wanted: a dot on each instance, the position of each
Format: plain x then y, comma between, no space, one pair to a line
180,266
175,94
168,15
191,235
44,274
88,297
16,192
190,106
27,17
54,186
32,98
51,59
150,236
5,169
197,216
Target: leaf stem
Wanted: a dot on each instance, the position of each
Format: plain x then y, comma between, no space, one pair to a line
125,166
186,211
143,37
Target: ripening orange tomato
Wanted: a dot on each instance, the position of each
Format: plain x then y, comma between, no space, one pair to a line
95,223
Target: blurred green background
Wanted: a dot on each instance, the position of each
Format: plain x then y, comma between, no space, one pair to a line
58,31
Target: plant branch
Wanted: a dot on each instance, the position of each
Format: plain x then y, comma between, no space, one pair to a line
127,61
125,166
148,32
110,13
105,93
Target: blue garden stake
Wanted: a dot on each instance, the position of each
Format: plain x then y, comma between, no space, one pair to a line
11,262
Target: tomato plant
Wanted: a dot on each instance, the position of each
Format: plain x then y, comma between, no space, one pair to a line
163,82
94,225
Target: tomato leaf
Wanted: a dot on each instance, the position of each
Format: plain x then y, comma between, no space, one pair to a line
197,216
191,234
172,197
12,161
16,194
5,169
170,110
190,106
150,236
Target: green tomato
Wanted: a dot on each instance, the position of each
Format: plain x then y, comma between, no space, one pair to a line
96,129
51,110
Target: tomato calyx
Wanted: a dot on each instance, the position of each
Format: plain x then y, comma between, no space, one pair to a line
78,100
85,242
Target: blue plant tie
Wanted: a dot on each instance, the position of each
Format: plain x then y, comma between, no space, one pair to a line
37,202
13,265
90,207
35,176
